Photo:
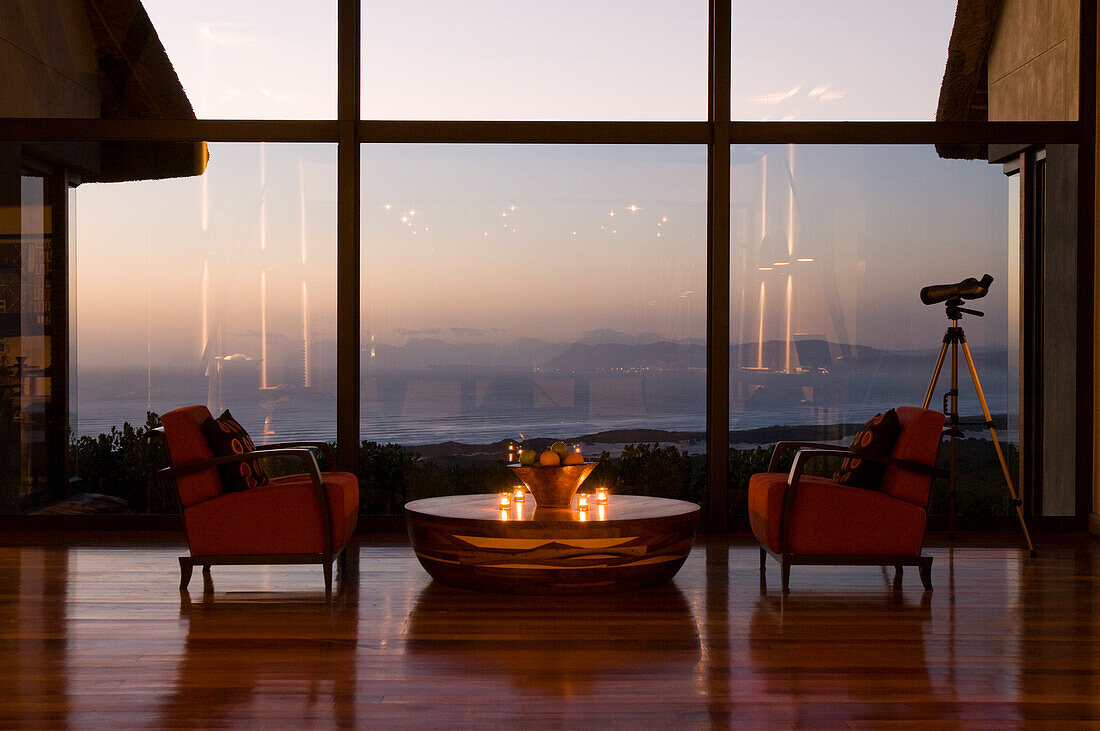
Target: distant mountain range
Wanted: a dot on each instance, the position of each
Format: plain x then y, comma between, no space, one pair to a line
587,355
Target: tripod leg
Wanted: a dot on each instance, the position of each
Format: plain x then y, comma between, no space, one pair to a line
953,417
935,375
997,446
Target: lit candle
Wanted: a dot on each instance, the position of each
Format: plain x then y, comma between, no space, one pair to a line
582,501
505,500
601,496
519,493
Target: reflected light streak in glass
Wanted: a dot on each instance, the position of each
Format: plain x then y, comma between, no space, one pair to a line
263,329
760,334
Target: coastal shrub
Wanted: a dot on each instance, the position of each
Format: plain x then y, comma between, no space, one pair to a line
122,463
980,484
650,469
385,471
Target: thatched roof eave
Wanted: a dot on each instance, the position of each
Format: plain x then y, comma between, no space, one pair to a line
137,81
964,92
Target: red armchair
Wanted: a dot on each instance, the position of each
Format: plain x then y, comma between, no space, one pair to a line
802,519
303,518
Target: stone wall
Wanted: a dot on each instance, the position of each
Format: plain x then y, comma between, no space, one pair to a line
1034,61
48,59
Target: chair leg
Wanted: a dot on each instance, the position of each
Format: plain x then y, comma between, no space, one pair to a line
763,558
785,573
925,568
327,566
185,572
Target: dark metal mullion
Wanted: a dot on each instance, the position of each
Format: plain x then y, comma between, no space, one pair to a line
347,238
718,268
395,131
1031,352
22,129
907,133
1086,238
57,273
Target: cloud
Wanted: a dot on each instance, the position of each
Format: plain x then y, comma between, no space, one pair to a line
463,332
418,333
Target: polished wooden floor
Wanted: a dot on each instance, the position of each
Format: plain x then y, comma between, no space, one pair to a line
99,635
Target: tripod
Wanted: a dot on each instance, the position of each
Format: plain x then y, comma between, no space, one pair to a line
955,337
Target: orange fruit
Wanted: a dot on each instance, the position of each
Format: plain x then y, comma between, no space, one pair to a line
549,459
573,458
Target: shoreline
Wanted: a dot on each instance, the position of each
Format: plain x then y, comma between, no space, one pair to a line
692,442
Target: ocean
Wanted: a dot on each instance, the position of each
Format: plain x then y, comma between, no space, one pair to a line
482,406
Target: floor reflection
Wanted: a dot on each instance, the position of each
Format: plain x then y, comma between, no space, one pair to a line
585,640
818,650
234,667
36,662
102,636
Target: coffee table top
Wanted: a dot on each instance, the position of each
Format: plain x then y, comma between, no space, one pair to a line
485,508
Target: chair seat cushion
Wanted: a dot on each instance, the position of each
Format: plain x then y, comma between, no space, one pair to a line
279,518
832,519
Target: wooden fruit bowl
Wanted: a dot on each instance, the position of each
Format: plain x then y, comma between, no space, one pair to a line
554,487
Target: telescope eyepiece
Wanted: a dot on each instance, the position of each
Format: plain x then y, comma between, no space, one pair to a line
968,289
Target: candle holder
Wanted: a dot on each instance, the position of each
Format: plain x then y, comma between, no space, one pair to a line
505,500
519,493
601,496
582,501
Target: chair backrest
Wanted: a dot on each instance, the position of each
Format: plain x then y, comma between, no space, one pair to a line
186,444
918,441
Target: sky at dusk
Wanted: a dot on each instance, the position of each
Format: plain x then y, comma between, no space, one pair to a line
503,242
509,241
610,59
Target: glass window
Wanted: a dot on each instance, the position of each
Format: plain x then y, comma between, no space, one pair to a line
166,59
217,289
836,61
28,340
830,247
251,59
518,295
489,59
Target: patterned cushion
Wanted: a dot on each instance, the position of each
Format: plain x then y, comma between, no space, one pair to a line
226,437
876,438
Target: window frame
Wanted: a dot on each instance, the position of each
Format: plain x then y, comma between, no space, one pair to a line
349,132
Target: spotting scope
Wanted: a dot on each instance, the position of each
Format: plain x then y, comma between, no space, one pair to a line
968,289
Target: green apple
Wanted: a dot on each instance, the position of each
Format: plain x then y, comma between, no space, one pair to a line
559,448
528,456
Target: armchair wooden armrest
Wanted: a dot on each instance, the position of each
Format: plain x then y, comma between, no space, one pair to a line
805,455
782,447
328,455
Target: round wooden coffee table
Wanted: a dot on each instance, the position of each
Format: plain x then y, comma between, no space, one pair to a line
632,542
